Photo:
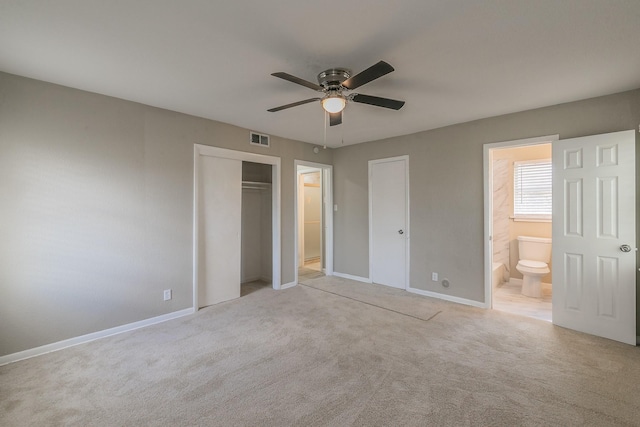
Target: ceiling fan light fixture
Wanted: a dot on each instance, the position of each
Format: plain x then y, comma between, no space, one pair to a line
334,103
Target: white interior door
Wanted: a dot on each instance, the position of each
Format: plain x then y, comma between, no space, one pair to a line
388,221
220,226
594,288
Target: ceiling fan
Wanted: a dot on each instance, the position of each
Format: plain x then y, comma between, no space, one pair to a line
334,82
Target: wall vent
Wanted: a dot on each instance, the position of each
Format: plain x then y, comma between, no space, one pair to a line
258,139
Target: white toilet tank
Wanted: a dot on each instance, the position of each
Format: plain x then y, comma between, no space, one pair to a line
534,248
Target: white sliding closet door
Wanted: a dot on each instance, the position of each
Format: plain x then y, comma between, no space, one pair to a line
220,225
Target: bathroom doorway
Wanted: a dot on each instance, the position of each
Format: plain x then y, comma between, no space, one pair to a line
520,224
314,243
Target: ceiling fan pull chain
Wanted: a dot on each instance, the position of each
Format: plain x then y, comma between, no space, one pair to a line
325,128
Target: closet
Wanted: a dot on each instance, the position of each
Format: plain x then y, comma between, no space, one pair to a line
236,224
256,225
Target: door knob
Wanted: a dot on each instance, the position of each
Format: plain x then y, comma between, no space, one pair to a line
625,248
400,231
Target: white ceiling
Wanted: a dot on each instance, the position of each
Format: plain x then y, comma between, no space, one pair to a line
455,60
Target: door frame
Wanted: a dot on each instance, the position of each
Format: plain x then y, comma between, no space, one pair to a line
405,158
206,150
488,204
327,214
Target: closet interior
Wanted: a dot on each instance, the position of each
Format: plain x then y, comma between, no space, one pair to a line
256,227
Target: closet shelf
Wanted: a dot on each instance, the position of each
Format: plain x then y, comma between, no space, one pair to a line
253,185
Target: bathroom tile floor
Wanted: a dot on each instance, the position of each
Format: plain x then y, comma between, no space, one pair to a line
508,297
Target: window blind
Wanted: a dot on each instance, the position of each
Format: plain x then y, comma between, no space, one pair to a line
532,189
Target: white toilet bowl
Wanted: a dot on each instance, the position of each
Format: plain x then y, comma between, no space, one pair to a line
535,253
532,273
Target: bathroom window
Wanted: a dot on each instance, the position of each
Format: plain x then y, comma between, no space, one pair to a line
532,190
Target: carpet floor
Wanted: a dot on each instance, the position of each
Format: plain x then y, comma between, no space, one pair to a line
331,352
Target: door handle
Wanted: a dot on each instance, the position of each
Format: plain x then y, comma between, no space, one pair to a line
400,231
625,248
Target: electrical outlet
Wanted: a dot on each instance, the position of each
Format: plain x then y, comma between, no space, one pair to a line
167,294
434,277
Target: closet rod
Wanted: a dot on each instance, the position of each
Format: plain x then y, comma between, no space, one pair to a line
251,185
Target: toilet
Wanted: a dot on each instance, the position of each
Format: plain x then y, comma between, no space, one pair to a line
535,254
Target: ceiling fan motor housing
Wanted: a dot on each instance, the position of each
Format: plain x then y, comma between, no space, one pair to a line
332,78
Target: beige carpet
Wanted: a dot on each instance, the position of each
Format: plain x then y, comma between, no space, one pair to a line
331,352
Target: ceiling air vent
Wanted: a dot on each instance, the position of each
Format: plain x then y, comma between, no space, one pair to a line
259,139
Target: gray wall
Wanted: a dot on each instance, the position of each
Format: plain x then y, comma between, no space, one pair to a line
97,197
446,187
96,209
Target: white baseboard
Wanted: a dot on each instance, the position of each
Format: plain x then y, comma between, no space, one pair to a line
37,351
287,285
447,297
352,277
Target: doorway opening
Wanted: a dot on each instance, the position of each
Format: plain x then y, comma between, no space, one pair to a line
256,227
314,221
594,237
518,261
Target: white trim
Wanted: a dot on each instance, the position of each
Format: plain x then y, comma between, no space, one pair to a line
352,277
488,202
407,230
48,348
327,234
205,150
288,285
446,297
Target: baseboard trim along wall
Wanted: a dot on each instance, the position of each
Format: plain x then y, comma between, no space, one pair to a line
37,351
352,277
447,297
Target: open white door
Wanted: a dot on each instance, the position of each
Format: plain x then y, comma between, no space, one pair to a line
388,221
220,225
594,237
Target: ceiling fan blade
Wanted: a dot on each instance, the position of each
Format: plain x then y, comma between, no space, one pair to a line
377,101
335,118
294,104
370,74
299,81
